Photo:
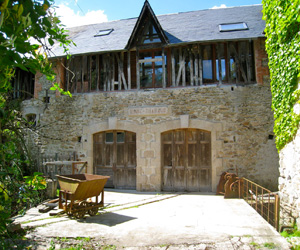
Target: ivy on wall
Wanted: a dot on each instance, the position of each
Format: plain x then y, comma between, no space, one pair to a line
283,48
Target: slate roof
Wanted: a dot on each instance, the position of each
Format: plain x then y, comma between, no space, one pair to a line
185,27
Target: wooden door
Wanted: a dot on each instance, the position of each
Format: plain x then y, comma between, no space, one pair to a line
115,156
186,160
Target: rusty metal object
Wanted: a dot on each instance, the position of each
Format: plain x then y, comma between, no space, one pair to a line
229,185
77,191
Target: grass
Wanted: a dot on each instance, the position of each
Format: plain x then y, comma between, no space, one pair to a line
270,245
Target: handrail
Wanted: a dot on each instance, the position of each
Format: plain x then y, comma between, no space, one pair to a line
265,202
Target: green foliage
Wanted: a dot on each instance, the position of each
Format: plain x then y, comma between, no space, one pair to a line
283,48
28,28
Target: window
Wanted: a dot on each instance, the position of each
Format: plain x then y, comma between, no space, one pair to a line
151,69
232,27
104,32
150,35
31,120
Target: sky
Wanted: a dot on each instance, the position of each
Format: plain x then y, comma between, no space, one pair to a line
81,12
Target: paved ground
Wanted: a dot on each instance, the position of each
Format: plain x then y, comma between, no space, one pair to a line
133,220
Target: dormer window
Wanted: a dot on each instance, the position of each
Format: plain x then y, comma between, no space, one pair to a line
232,27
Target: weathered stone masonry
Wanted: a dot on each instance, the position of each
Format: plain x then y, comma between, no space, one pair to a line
240,119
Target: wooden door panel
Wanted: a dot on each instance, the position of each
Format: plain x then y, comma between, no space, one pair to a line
167,178
186,160
115,156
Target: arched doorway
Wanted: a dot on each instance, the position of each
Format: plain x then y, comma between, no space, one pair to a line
115,156
186,160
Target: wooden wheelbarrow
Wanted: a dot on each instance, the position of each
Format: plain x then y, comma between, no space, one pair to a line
77,190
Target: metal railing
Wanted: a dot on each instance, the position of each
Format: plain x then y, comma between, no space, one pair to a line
265,202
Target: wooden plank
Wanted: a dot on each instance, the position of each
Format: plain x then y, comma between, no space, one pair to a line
163,68
128,70
173,67
150,60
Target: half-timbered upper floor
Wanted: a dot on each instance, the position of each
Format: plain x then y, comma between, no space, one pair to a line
215,46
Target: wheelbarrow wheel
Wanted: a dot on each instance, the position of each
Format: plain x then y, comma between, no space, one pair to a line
79,210
94,210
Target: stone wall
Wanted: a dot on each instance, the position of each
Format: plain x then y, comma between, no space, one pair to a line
289,180
239,118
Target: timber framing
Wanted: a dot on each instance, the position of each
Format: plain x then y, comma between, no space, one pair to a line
191,65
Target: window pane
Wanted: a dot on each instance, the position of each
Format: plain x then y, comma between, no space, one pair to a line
120,137
233,26
207,64
109,137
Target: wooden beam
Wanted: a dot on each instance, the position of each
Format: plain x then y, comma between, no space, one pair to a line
97,73
128,70
183,68
119,71
150,60
191,68
138,80
248,62
122,71
112,59
163,68
200,66
173,67
196,69
230,80
67,75
219,63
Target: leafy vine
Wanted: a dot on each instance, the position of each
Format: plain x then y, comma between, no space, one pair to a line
283,48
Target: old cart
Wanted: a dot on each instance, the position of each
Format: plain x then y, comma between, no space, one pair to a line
76,192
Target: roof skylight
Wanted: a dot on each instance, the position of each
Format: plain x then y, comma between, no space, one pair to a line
104,32
232,27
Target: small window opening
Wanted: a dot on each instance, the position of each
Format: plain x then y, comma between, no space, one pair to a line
232,27
46,99
120,137
79,139
31,120
271,137
109,137
104,32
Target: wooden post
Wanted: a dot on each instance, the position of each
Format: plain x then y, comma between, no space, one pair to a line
138,80
191,68
230,80
112,59
248,62
200,65
119,72
128,70
197,70
219,63
183,68
163,68
173,67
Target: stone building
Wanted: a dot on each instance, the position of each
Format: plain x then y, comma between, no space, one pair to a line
164,102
